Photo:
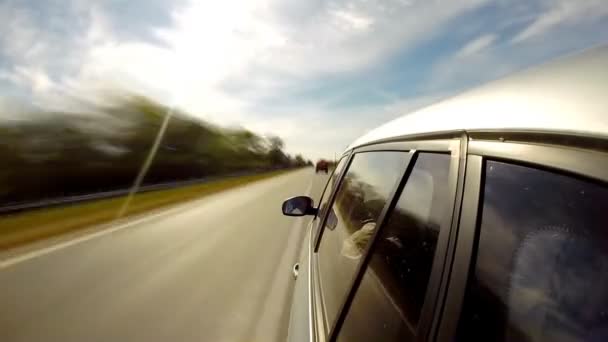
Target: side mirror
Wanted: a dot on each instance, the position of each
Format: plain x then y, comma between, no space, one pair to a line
299,206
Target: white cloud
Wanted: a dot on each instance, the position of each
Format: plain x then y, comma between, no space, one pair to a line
266,48
562,13
341,36
353,21
262,47
321,133
18,38
477,45
484,59
37,80
475,61
457,72
224,60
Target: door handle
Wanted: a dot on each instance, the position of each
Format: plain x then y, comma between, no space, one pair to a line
296,270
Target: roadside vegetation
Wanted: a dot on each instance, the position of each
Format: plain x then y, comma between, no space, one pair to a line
103,147
21,228
115,144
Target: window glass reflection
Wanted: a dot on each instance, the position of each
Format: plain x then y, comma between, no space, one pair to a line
389,299
541,272
361,197
331,184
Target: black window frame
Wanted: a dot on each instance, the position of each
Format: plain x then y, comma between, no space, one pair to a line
329,192
455,146
589,164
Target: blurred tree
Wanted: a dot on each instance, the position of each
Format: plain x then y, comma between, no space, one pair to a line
61,154
276,143
299,161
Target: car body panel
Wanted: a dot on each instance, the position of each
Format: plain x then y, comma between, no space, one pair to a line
299,321
565,98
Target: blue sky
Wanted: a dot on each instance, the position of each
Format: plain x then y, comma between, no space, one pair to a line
317,73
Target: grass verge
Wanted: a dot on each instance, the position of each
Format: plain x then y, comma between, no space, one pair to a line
21,228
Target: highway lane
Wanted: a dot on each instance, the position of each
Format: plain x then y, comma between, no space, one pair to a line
217,269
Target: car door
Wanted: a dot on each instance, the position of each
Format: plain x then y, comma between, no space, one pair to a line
385,215
300,316
531,261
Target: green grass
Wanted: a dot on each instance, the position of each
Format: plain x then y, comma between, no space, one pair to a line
21,228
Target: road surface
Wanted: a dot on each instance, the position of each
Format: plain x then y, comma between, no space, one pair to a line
217,269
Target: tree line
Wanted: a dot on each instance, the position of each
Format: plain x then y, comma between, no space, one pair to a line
55,154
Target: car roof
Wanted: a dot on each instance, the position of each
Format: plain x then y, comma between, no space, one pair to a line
566,96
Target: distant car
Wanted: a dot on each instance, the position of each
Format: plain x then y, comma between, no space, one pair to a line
480,218
322,165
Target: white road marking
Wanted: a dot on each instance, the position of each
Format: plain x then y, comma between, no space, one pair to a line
46,250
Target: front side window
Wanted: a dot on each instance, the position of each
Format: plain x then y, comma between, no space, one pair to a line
541,270
351,221
329,187
388,302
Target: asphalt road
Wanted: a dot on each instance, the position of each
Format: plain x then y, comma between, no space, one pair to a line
217,269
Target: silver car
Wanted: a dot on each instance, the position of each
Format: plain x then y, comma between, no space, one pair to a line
480,218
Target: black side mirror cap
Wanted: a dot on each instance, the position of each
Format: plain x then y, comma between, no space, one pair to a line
299,206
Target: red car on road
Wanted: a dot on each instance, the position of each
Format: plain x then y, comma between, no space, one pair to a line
322,165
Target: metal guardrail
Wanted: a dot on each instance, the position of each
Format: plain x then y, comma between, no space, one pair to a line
16,207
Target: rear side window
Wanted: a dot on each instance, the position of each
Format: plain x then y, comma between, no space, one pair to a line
351,221
388,302
541,270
